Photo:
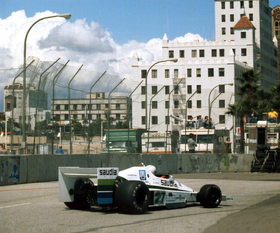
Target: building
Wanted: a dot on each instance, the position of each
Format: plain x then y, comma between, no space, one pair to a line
276,31
206,69
36,104
94,107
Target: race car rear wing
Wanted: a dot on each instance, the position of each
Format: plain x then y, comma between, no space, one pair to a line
67,176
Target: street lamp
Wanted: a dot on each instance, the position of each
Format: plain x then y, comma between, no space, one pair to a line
209,109
146,86
66,16
70,119
186,120
89,115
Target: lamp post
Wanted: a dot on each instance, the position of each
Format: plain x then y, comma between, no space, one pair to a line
13,104
37,100
128,114
109,112
146,86
150,118
209,109
52,107
66,16
186,120
167,123
70,119
89,115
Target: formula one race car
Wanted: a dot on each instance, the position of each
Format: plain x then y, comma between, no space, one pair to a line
132,190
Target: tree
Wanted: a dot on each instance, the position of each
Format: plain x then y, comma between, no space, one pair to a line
248,99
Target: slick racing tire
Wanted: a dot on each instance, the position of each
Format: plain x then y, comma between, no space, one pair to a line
210,196
83,195
132,197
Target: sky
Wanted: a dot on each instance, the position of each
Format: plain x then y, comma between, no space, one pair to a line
101,35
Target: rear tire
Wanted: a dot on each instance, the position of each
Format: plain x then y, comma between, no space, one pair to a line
132,197
210,196
84,195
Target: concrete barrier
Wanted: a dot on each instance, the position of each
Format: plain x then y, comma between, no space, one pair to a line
42,168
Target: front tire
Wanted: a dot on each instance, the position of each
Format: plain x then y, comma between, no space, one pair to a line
210,196
132,197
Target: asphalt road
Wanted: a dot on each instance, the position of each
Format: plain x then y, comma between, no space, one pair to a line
256,206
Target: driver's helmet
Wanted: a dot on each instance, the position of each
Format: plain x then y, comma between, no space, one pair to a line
152,168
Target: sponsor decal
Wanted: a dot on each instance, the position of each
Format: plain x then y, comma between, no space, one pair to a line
105,173
142,174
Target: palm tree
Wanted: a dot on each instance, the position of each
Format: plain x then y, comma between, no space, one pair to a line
248,99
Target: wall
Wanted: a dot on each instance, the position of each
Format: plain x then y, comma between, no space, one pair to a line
42,168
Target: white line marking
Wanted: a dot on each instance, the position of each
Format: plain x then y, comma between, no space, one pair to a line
10,206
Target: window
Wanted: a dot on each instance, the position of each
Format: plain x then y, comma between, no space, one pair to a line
243,35
167,90
166,104
176,104
75,116
154,73
241,4
223,31
198,89
118,106
198,103
189,104
98,106
143,73
98,116
221,88
222,52
221,72
166,73
194,53
189,89
176,73
75,106
167,120
143,120
66,107
154,89
189,73
232,31
143,90
223,18
250,4
214,52
231,18
182,53
210,72
57,107
223,6
198,72
243,52
118,116
221,103
231,5
222,119
154,104
201,53
171,53
251,17
83,106
66,117
154,120
176,90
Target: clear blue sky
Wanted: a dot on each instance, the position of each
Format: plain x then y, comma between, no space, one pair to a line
127,20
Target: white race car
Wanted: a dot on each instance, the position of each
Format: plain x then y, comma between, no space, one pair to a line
132,190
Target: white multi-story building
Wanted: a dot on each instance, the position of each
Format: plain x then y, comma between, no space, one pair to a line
205,68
